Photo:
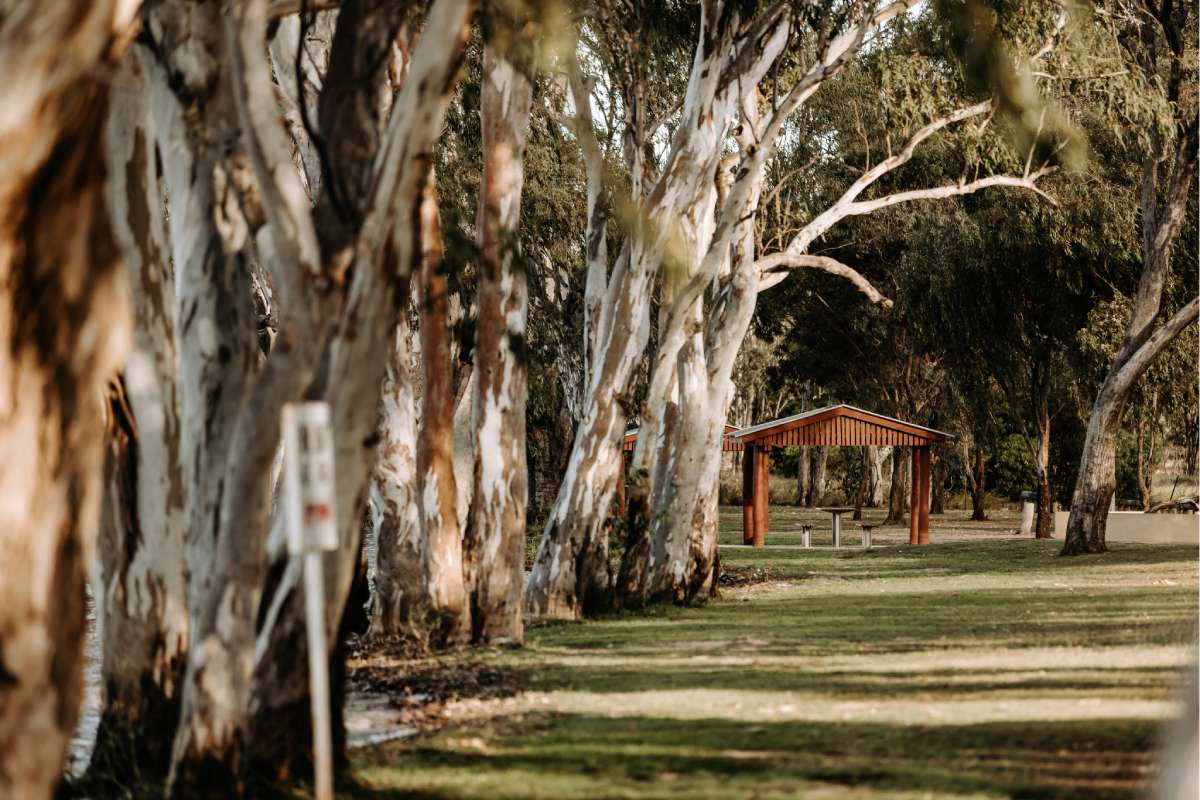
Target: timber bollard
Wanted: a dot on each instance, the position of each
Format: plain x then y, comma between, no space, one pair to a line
866,536
806,535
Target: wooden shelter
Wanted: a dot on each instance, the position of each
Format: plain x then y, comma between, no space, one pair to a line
833,425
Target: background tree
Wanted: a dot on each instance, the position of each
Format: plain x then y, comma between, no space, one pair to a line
1157,47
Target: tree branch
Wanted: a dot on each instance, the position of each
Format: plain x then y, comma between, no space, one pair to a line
772,270
1140,359
285,202
952,190
596,244
838,211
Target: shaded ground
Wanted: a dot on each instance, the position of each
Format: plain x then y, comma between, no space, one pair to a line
982,666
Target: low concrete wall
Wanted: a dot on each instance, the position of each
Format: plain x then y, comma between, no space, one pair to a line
1134,526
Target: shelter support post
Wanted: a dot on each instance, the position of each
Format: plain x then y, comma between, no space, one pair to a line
748,496
926,481
762,497
914,517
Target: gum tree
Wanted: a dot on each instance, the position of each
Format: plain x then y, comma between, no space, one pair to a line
1157,46
693,370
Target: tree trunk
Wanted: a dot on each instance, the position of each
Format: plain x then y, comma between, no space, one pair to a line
494,545
804,478
1044,527
442,572
976,478
398,605
1097,465
938,489
571,569
898,499
63,318
816,490
860,491
876,456
143,604
420,584
224,99
571,574
358,355
684,563
1164,202
1191,450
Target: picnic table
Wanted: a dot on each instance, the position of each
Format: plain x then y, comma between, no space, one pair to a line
836,512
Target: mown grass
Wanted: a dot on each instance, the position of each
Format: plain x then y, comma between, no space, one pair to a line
986,666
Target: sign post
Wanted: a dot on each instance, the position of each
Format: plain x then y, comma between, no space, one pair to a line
309,492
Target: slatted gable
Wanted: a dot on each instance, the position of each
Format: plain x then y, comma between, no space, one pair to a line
839,425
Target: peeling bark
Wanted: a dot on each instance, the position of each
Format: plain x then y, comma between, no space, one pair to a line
420,577
63,318
385,253
442,572
876,456
570,574
399,549
683,564
494,542
143,603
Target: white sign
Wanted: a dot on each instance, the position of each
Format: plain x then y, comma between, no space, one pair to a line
309,488
308,496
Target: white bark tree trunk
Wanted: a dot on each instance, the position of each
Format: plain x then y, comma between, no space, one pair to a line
683,562
385,252
231,414
1097,465
803,478
571,574
442,573
875,477
494,545
143,602
684,508
399,546
419,582
63,320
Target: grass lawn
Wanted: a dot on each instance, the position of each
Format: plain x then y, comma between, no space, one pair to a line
980,666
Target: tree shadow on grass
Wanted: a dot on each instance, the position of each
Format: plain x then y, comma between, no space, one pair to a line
990,557
950,685
858,622
645,757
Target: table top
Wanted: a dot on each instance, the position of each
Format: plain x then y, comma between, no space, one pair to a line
837,510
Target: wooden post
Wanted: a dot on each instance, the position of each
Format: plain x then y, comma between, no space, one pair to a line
926,488
762,495
748,489
914,516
